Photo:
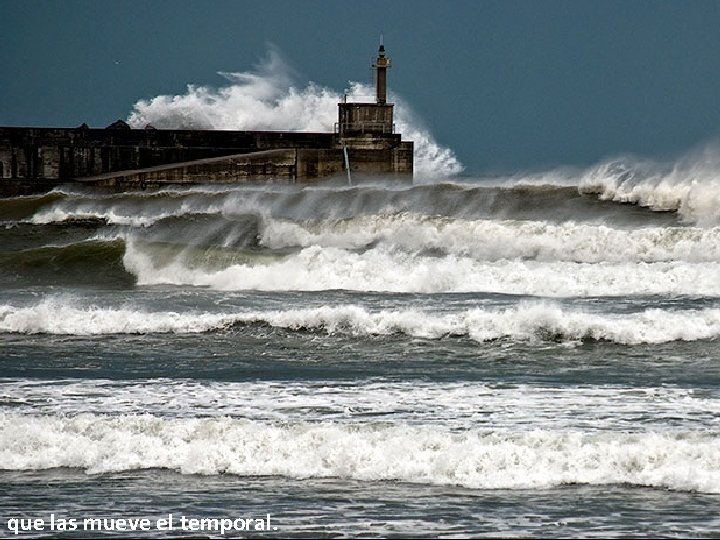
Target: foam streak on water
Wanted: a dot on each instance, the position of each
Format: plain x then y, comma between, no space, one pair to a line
456,406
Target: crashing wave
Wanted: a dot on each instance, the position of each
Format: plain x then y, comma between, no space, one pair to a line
268,99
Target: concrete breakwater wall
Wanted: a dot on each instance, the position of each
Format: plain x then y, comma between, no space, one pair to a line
122,156
81,152
284,165
364,141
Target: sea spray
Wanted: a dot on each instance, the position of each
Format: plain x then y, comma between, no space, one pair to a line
268,99
493,240
454,200
689,185
440,238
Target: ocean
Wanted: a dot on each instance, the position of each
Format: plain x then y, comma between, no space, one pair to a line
526,355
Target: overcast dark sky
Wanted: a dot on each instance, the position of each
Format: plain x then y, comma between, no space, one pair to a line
506,84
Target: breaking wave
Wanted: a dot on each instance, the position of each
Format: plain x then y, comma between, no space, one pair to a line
458,201
91,261
494,240
531,321
528,240
689,185
479,459
267,99
484,239
61,316
22,207
316,268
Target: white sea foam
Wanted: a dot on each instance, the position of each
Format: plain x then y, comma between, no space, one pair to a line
382,269
528,321
483,459
451,405
483,239
493,240
134,215
267,99
59,214
690,185
62,316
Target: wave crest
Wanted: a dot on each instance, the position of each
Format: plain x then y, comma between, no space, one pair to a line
479,459
526,322
689,185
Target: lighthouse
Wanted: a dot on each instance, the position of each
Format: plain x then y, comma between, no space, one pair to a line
381,66
360,119
365,131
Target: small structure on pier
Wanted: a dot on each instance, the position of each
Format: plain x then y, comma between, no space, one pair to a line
369,118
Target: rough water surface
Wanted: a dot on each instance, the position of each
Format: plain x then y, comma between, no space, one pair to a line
532,355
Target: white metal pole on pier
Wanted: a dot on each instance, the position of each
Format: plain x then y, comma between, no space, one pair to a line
347,164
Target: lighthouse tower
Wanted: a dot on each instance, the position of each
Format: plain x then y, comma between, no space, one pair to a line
365,140
368,118
381,66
